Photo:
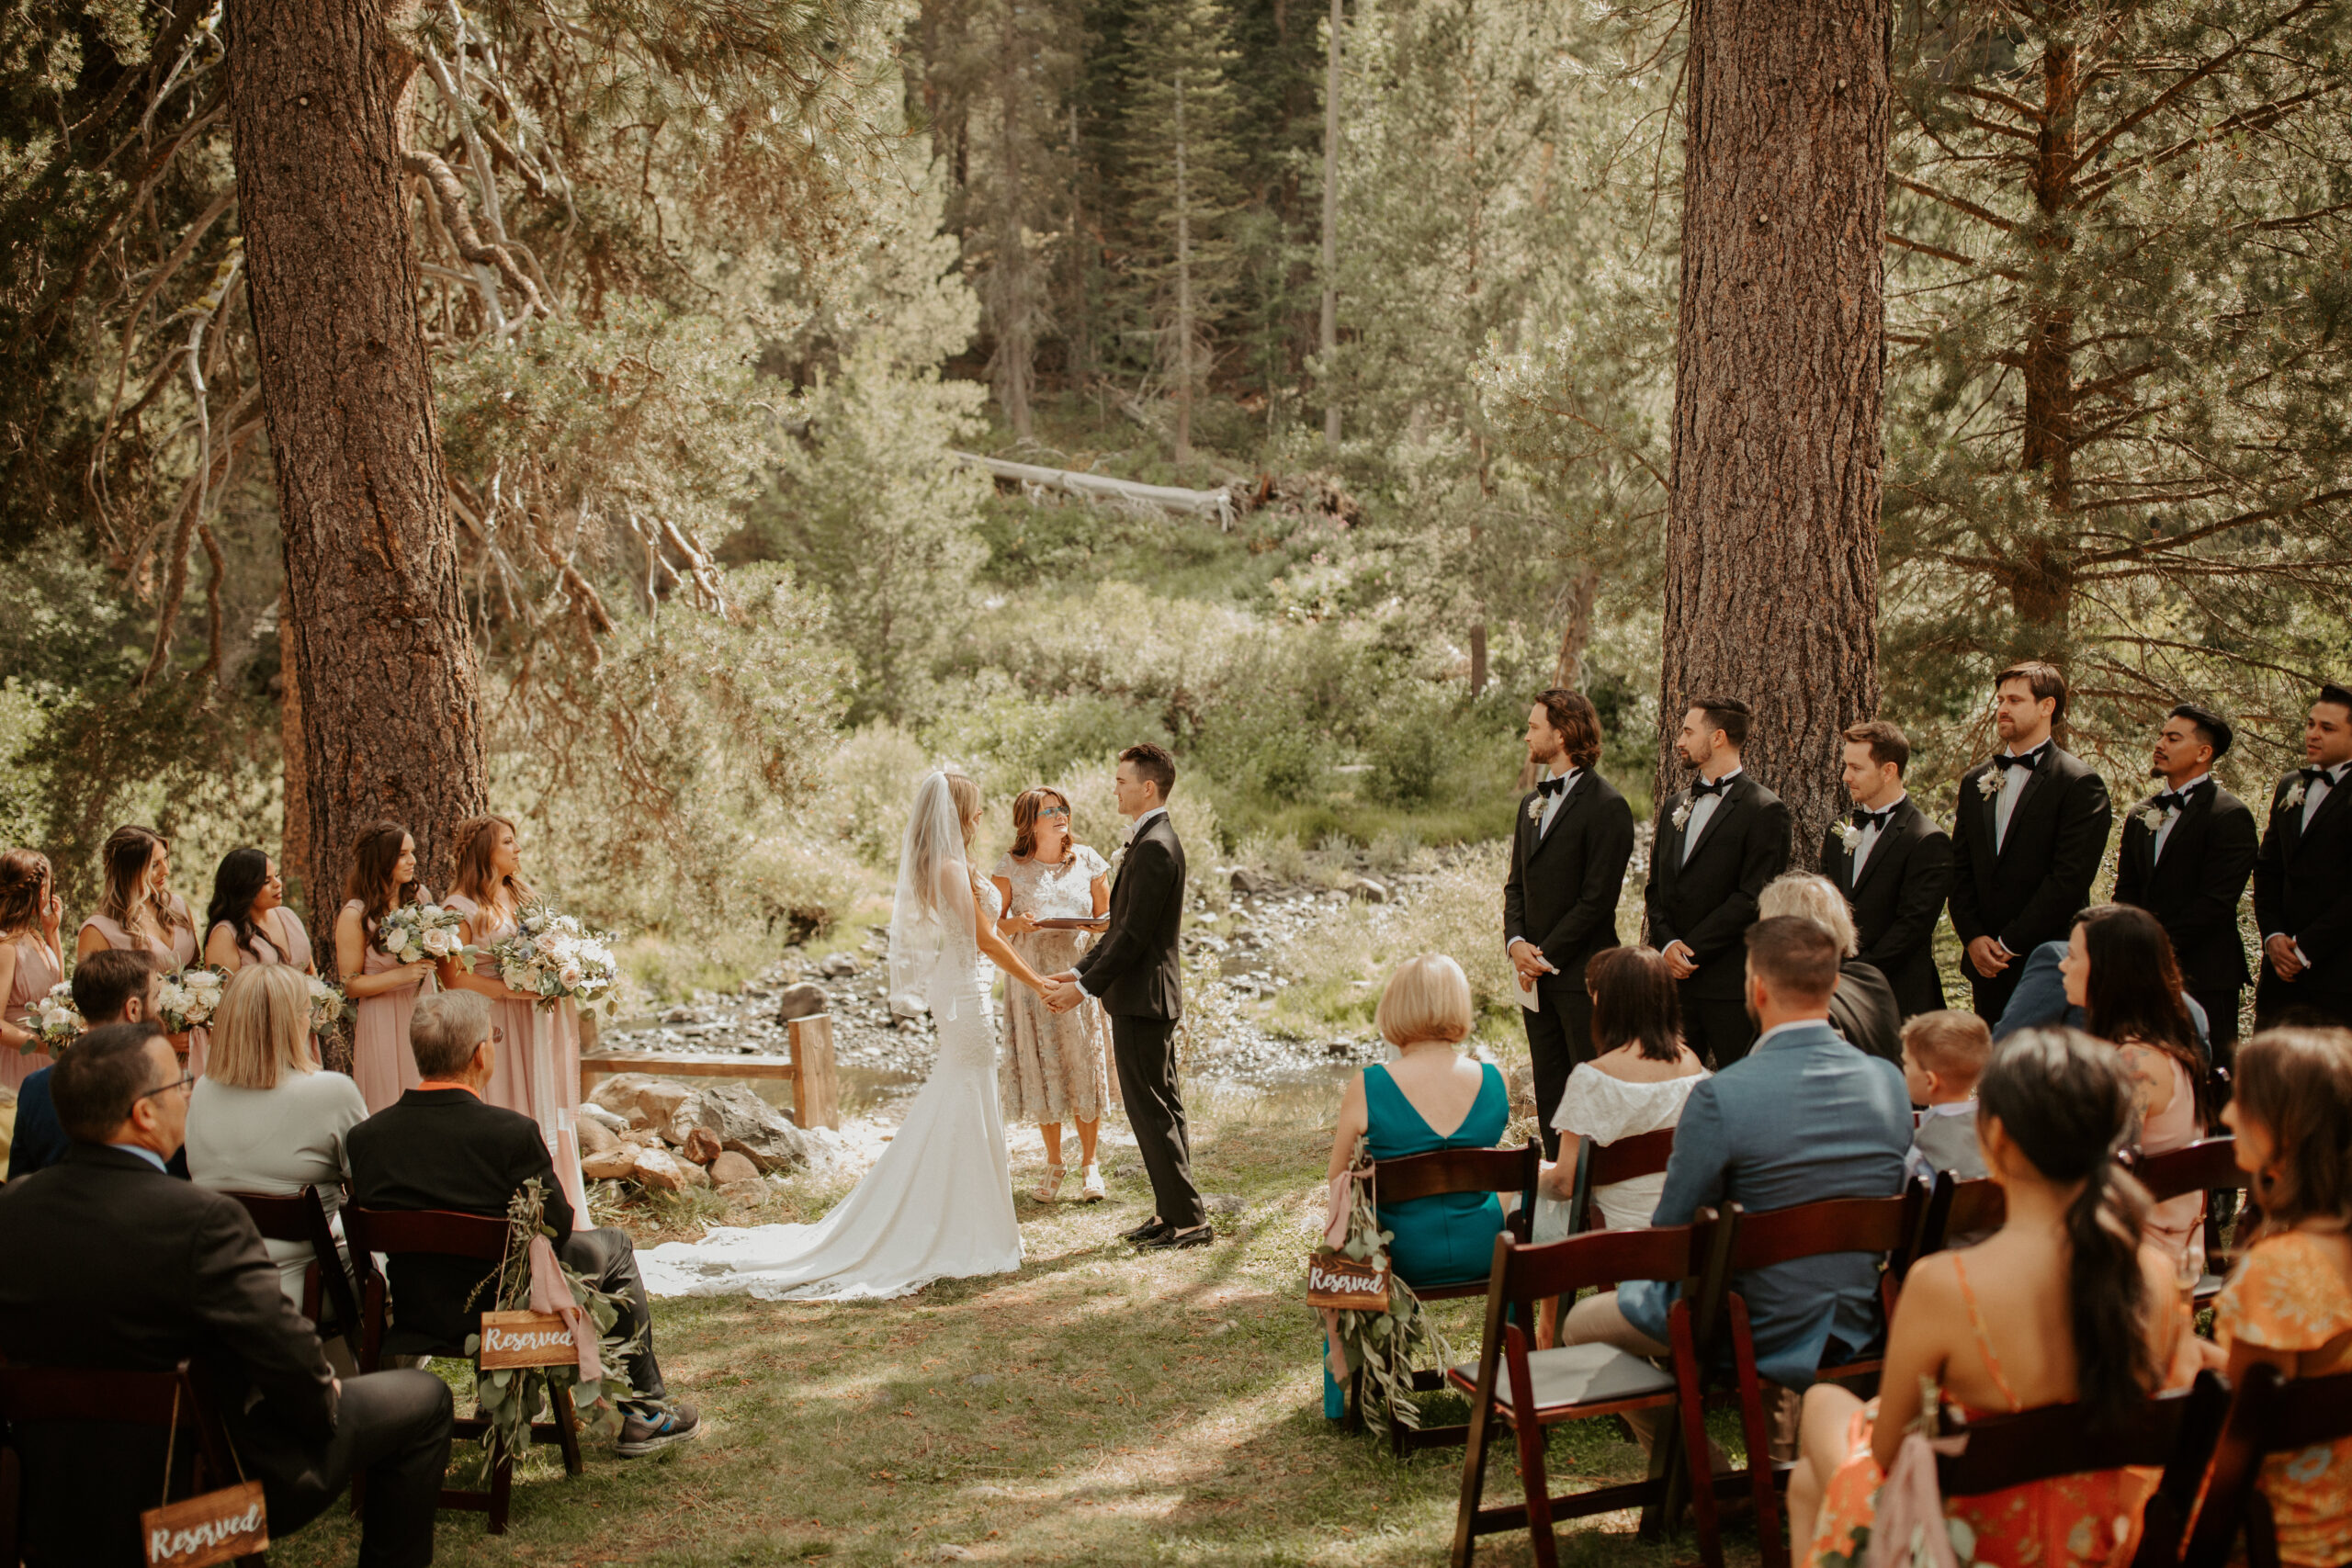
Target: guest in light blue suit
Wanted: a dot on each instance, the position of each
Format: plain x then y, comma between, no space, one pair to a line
1805,1116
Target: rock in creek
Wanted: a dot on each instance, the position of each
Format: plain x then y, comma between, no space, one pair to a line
805,1000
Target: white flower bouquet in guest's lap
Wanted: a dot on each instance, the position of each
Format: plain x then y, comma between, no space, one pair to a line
54,1022
186,999
421,930
328,1008
553,958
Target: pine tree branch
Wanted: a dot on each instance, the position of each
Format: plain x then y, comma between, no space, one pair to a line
2018,106
1956,203
457,222
2261,118
2243,519
2105,138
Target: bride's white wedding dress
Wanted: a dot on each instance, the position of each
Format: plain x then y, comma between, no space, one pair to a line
938,1204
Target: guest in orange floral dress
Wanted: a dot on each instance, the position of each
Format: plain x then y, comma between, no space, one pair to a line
2289,1301
2083,1310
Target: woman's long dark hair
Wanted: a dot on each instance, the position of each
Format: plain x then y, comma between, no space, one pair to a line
373,856
1634,1000
2297,1083
242,875
2066,1102
2133,992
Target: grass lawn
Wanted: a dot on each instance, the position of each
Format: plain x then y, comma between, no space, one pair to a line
1096,1407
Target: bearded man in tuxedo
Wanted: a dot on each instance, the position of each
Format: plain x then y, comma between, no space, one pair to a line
1893,863
2302,879
1570,843
2186,853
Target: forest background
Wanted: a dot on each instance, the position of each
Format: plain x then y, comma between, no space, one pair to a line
713,292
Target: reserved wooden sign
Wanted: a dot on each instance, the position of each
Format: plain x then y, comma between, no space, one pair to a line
217,1527
526,1339
1335,1279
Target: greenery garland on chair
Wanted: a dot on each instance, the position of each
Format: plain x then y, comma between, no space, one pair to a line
511,1396
1382,1345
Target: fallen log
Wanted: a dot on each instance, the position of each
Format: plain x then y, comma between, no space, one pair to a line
1217,503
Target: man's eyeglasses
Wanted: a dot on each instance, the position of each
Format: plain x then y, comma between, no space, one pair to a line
186,1081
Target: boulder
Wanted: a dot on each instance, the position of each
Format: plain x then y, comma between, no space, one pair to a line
643,1138
839,967
595,1138
730,1169
644,1099
616,1164
695,1175
1248,881
1369,890
591,1111
701,1145
661,1171
805,1000
616,1096
752,1127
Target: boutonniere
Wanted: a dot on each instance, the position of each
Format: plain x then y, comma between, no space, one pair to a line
1117,856
2294,795
2152,817
1851,836
1992,782
1682,817
1535,809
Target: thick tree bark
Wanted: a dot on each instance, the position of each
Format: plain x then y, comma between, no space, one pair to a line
1771,557
374,631
1328,340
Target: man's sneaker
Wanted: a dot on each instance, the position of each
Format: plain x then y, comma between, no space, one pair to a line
649,1429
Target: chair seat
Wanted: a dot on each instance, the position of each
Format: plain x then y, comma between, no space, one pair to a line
1575,1374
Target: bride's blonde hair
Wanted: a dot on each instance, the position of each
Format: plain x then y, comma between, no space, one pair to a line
967,796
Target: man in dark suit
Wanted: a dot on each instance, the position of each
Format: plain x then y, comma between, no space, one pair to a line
2186,855
2030,830
1573,837
113,1264
2302,879
1136,971
111,986
440,1145
1718,842
1893,864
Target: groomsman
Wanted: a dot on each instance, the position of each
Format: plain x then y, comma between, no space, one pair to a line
1567,863
1893,864
2302,881
2030,831
2186,855
1717,843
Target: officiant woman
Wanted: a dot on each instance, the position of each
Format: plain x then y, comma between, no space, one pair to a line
1052,1066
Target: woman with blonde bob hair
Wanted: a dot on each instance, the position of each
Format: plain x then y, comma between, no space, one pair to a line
1430,1097
264,1117
1863,1008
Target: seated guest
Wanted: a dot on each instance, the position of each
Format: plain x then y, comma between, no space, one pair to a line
138,1272
2289,1301
1863,1009
2040,1001
2119,971
1640,1076
2059,1305
440,1145
1943,1055
1397,1110
110,986
264,1117
1803,1117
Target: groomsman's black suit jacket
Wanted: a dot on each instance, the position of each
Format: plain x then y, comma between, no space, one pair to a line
1896,898
1710,902
1136,968
1562,891
2303,886
2194,890
2027,893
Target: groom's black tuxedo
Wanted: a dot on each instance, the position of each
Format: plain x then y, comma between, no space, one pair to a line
1136,970
1561,895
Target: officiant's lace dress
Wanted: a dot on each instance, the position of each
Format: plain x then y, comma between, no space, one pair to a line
937,1205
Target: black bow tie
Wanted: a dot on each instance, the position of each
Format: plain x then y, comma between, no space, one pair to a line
2171,800
1553,786
1865,818
2003,760
2320,776
1701,788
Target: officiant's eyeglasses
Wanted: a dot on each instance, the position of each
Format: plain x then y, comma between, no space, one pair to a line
1053,811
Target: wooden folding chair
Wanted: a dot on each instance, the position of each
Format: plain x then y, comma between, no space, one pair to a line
2268,1413
1532,1389
31,1395
303,1218
1882,1225
2209,1166
393,1233
1428,1176
1600,1164
1958,1209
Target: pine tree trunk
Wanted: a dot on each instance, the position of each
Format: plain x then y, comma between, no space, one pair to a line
1184,291
1013,288
1329,341
376,637
1771,558
1575,631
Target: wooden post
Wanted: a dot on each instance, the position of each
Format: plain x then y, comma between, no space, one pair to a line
1478,661
816,1095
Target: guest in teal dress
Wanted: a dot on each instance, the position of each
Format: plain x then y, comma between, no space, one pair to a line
1430,1098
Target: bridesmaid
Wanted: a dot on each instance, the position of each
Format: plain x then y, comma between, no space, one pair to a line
29,959
248,922
536,1067
383,877
139,912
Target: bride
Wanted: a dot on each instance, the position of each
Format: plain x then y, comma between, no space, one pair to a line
938,1204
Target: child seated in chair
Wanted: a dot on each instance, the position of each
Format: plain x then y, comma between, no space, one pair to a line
1943,1055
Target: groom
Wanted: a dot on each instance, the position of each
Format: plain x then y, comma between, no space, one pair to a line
1134,969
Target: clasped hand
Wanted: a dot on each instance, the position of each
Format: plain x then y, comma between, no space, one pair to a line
1061,992
1529,960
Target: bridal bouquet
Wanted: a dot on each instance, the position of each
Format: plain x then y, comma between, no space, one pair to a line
328,1009
186,998
420,930
555,958
54,1020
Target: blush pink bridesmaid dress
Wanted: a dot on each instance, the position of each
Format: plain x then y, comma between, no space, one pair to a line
36,972
381,1062
536,1069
